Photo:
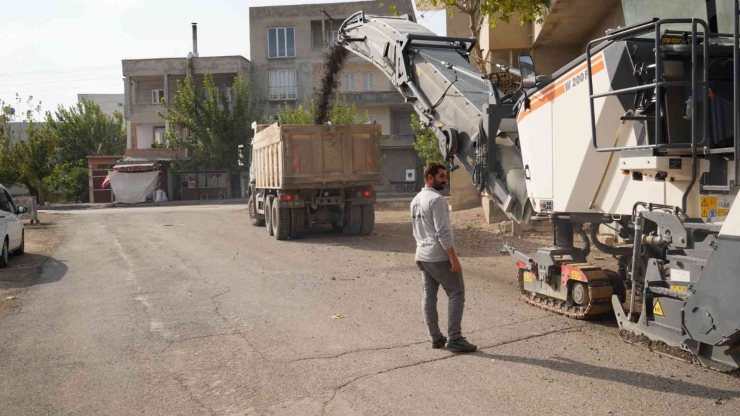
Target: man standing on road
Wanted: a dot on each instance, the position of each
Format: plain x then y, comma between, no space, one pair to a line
437,260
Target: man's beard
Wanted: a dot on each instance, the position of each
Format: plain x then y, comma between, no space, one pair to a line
440,186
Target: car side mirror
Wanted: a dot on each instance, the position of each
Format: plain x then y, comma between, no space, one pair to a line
21,210
526,67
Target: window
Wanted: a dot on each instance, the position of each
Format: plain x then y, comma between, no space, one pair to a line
157,96
159,134
281,42
332,36
283,84
229,91
5,202
404,125
368,81
349,82
371,118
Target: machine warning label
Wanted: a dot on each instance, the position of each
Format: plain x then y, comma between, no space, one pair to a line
657,309
708,206
527,277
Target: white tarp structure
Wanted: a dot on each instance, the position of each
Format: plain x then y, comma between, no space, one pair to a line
133,187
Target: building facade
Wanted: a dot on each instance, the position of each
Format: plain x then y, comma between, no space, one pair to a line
287,45
560,38
109,103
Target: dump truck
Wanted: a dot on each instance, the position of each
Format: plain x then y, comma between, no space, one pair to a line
302,176
640,134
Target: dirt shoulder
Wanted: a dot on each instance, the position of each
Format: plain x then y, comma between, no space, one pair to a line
23,271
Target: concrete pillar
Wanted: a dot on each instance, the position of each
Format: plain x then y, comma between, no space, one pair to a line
90,184
129,135
492,212
126,97
167,88
463,194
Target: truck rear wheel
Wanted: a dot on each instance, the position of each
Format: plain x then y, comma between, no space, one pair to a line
268,213
297,222
353,220
280,221
368,219
253,216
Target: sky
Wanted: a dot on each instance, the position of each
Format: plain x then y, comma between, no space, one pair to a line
53,50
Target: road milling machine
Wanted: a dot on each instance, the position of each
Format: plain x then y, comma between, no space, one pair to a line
639,134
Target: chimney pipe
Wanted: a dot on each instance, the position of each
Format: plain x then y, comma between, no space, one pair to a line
195,39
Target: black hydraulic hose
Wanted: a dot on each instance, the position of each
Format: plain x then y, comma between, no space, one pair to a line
614,251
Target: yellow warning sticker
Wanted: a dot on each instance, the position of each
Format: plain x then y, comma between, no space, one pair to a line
527,276
657,309
722,212
708,202
576,275
678,288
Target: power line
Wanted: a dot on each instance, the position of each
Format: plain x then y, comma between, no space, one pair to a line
96,68
61,81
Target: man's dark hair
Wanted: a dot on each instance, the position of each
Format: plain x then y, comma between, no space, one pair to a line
433,169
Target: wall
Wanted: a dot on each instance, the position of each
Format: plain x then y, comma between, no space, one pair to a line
144,136
463,194
307,60
109,103
382,116
394,165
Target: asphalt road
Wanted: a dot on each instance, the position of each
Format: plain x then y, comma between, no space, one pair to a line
190,310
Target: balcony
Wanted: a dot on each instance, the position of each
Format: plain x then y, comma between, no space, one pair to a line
398,141
370,98
283,93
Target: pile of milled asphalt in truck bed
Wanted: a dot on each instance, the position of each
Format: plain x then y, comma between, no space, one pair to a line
333,61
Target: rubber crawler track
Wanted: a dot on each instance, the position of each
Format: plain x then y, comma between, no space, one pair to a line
599,291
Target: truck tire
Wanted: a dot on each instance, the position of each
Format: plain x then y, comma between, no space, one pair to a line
368,219
280,221
352,220
297,222
253,216
268,213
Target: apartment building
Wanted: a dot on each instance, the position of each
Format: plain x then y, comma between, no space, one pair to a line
151,83
109,103
287,44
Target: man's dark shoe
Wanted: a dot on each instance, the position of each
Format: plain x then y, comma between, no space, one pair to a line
439,343
461,345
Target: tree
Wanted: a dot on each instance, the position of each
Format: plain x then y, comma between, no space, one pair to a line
213,123
34,158
480,11
426,143
81,130
340,113
84,130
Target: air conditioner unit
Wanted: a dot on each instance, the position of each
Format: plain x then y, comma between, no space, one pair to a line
410,175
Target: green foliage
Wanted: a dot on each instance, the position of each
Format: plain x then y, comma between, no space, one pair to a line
213,126
33,158
84,130
341,113
426,143
302,114
69,183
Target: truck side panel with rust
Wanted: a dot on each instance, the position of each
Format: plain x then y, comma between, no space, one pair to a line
316,156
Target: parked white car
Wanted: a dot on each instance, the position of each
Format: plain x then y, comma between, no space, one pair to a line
12,235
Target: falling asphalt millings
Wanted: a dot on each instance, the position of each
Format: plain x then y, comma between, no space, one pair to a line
334,59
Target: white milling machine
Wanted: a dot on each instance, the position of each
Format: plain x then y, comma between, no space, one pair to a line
640,134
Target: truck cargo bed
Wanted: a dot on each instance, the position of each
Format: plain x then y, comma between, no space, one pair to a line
316,156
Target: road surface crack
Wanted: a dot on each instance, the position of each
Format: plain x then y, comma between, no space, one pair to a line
419,363
392,347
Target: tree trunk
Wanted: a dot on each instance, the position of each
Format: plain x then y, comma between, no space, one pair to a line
40,192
